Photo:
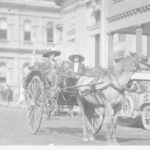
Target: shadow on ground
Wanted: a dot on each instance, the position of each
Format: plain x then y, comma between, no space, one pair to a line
60,130
77,132
129,122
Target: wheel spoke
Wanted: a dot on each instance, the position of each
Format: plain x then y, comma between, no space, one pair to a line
31,120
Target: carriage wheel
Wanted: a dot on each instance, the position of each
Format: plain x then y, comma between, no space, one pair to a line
34,103
146,117
127,107
98,119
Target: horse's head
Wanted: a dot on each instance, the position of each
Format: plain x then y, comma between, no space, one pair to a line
124,69
128,64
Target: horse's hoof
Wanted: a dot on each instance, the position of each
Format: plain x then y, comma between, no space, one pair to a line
85,139
115,142
91,138
109,142
112,142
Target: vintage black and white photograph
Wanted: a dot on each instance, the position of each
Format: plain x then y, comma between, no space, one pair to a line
74,72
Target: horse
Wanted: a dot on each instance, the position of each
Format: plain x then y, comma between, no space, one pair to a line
110,97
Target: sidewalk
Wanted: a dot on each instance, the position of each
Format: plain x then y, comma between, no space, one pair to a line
11,104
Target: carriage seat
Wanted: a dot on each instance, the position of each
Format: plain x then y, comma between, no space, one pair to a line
70,81
92,72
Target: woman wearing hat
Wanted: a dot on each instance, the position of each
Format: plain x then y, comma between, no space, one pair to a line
50,55
76,64
50,65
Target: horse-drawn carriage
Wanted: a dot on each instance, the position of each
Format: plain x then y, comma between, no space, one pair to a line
44,97
99,98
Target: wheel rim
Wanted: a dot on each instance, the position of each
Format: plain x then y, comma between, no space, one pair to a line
35,119
146,117
34,104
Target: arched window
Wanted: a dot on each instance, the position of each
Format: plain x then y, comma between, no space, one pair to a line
3,29
50,32
27,31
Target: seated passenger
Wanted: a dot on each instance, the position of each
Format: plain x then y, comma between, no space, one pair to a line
50,55
76,65
50,65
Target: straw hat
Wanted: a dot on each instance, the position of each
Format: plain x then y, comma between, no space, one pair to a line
81,58
48,53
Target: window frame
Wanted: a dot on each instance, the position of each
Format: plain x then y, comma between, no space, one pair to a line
3,30
50,32
27,31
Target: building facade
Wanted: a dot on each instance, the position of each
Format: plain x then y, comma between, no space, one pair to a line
130,18
81,29
105,30
27,27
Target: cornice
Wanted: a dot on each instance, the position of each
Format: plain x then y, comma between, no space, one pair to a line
29,7
59,2
129,13
74,7
19,50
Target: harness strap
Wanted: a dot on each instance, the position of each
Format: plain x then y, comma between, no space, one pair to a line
114,84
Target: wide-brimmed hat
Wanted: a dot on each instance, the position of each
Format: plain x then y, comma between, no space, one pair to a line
48,53
81,58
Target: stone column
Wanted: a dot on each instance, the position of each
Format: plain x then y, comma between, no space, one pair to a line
55,35
97,49
103,36
16,71
34,35
139,46
40,31
59,31
16,75
110,49
148,46
17,28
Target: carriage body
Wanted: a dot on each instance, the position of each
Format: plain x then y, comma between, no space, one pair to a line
138,101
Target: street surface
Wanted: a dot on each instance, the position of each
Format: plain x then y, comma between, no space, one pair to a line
59,131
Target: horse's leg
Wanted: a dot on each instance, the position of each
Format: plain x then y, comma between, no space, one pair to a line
85,139
71,112
114,135
87,121
89,112
117,110
109,121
